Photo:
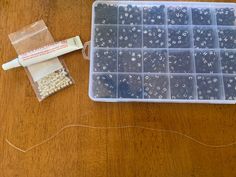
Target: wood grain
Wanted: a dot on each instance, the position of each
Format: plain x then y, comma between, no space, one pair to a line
99,153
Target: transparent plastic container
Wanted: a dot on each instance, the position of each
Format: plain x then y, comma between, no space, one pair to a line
163,52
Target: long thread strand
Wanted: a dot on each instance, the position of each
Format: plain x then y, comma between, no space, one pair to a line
119,127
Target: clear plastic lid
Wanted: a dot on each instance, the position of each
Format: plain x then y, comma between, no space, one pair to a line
163,52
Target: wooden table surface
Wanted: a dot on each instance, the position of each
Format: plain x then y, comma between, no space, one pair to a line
84,152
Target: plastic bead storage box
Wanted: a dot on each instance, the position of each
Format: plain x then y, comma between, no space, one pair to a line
163,52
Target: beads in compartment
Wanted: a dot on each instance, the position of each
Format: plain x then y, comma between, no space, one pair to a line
154,37
227,38
230,87
156,87
130,86
208,87
204,37
154,15
130,15
225,16
105,85
207,61
182,87
201,16
179,37
105,14
178,15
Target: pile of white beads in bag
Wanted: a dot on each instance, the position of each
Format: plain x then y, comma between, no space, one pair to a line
53,83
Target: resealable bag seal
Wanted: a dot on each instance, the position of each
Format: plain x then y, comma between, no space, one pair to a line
47,77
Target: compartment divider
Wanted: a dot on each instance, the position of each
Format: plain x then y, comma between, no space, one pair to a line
142,53
117,54
167,50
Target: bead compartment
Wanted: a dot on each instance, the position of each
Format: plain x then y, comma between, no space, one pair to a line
130,86
155,61
208,87
182,87
156,87
105,85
